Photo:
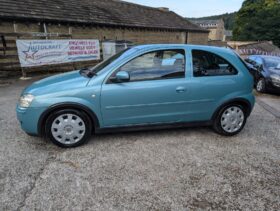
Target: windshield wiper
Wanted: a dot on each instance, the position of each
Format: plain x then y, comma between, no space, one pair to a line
87,72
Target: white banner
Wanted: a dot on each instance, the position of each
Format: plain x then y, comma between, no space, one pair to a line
44,52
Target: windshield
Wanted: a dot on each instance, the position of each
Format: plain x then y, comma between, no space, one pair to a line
105,63
272,62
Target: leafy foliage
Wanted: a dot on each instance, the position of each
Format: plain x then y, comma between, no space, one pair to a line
258,20
229,19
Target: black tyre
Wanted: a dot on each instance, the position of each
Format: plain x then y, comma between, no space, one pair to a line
230,120
260,86
68,128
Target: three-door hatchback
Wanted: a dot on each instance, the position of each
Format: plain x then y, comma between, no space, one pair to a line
149,86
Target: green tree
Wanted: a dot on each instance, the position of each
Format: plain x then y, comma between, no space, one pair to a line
258,20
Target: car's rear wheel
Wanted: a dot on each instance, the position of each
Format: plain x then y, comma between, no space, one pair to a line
230,120
68,128
260,87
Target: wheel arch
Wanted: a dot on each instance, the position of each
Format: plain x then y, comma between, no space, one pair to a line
59,106
241,101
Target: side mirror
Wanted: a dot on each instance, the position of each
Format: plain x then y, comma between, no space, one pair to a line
121,76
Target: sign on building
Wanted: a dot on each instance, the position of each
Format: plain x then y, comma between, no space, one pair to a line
44,52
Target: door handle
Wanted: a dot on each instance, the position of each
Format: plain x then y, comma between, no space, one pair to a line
180,89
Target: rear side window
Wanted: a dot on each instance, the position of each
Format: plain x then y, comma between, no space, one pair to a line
209,64
156,65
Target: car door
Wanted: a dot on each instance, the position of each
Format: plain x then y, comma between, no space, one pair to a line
213,78
156,93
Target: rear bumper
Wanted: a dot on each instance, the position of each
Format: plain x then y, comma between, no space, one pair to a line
29,119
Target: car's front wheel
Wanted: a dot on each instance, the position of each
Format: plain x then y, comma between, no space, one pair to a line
230,120
260,87
68,128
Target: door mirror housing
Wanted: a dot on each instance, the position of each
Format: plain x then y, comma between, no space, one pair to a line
121,76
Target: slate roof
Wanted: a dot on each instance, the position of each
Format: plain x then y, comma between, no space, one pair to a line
96,12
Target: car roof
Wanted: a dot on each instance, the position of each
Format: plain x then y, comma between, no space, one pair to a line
200,47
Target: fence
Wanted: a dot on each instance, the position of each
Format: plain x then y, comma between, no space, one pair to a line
254,51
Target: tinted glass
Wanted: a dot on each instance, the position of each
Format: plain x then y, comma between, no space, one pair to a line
156,65
209,64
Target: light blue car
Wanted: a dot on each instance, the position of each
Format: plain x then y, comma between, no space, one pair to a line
144,87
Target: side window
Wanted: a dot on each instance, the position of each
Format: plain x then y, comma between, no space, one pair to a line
209,64
164,64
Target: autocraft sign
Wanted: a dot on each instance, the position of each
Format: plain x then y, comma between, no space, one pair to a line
44,52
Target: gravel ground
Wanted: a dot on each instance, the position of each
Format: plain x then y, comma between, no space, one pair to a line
178,169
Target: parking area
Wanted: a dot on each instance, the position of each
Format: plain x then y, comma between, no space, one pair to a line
176,169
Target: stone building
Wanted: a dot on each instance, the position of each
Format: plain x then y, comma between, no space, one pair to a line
94,19
216,28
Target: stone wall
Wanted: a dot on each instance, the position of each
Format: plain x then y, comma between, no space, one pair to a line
197,38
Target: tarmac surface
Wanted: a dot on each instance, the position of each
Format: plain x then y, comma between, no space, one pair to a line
176,169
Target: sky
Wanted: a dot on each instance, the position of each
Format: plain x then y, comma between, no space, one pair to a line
194,8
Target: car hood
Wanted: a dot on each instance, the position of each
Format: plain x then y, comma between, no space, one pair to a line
57,83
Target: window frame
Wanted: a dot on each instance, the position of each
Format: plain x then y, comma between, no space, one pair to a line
220,57
108,80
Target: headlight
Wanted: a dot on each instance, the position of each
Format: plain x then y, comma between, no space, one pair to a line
275,78
26,100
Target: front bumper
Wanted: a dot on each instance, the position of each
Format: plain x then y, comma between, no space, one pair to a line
29,119
272,85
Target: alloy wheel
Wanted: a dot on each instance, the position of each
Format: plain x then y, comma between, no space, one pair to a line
260,85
